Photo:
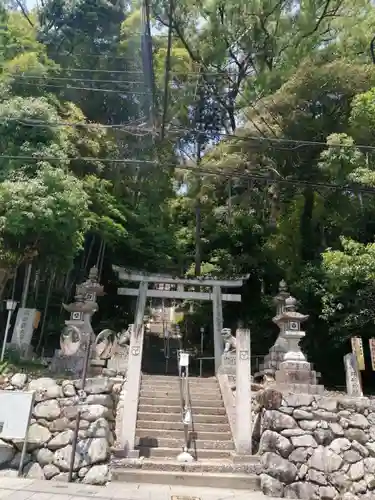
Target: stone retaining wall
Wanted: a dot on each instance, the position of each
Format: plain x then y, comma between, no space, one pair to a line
53,421
316,447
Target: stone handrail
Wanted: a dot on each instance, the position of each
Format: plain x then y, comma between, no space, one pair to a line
131,398
229,403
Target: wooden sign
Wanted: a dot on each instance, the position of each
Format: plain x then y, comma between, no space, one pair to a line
372,352
357,349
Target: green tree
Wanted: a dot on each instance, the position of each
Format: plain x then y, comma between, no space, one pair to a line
42,215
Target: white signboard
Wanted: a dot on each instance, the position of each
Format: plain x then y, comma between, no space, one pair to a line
24,327
184,359
15,414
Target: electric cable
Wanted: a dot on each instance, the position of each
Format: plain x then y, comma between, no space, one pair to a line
354,188
178,130
69,79
206,170
72,87
75,158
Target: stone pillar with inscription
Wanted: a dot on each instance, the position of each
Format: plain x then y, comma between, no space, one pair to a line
295,373
353,376
243,392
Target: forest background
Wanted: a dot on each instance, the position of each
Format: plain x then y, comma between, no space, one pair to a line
248,124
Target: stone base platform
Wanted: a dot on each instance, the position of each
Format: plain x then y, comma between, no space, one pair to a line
299,388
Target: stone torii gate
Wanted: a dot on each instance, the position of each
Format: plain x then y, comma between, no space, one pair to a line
212,291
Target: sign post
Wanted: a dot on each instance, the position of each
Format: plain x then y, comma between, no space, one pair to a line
11,306
15,415
372,352
357,349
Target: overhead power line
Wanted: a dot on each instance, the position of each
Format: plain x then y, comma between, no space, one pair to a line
70,78
203,170
138,72
72,87
73,158
125,127
139,128
276,140
293,182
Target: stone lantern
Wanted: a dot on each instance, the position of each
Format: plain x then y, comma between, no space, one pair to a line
276,353
78,335
91,288
291,326
295,373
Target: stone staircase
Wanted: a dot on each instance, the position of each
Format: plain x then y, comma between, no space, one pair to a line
160,439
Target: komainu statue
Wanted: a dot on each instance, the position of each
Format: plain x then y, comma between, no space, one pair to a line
229,340
109,342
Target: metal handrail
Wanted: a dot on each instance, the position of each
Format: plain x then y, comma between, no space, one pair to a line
185,409
186,412
192,419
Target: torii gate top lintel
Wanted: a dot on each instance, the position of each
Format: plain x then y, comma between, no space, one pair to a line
126,275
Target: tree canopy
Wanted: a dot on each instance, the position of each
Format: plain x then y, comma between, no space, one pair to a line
241,140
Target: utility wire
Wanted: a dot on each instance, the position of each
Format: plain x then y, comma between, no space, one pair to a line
133,72
126,127
44,79
277,140
129,128
70,78
72,87
207,171
74,158
145,93
293,182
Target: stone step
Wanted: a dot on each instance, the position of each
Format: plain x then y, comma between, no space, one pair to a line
170,382
143,432
176,378
169,442
222,465
178,426
212,403
176,390
167,380
168,393
197,410
147,452
214,480
155,416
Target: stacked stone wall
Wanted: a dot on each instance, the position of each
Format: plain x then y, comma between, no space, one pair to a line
49,448
315,447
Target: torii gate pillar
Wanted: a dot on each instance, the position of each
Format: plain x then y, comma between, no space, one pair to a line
217,313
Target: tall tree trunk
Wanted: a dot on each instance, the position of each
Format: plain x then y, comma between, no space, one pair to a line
306,229
5,275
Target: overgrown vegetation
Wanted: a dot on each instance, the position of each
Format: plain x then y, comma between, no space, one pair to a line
295,85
